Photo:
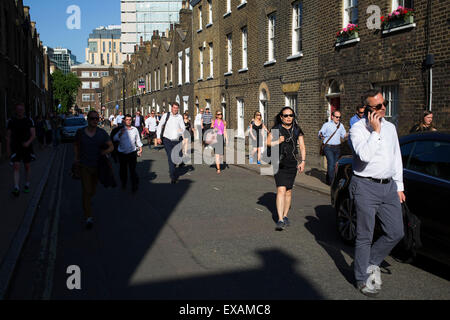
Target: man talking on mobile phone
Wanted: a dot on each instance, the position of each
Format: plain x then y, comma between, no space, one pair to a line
376,189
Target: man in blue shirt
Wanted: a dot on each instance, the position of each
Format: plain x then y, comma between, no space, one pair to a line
358,116
331,134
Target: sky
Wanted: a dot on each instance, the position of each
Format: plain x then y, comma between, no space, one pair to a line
51,21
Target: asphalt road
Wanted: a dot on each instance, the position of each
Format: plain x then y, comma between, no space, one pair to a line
208,237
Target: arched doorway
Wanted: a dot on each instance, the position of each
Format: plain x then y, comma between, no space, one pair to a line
263,105
334,98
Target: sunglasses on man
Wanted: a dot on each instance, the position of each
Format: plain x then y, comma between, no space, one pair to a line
290,115
379,106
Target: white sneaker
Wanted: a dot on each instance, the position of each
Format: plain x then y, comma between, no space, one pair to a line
374,271
368,288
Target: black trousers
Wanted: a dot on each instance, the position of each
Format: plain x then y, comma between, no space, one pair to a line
128,163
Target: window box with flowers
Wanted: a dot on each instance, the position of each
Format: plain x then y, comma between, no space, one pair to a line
401,18
347,35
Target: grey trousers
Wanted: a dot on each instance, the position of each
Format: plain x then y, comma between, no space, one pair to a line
374,199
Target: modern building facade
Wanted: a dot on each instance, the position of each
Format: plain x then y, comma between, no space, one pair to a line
105,47
141,17
25,67
62,57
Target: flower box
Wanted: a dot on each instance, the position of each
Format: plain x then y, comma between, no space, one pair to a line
348,33
347,37
400,17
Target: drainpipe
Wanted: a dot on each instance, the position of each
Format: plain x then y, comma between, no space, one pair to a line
429,60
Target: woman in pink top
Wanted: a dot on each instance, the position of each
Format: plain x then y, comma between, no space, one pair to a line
220,129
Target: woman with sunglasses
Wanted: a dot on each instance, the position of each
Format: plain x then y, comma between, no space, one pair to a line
289,136
256,136
220,129
187,134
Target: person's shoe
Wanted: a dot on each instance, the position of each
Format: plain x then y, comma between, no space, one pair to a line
16,192
286,221
89,223
375,271
250,160
280,226
258,162
368,288
26,189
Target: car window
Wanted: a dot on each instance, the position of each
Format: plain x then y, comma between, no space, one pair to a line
75,122
406,151
431,158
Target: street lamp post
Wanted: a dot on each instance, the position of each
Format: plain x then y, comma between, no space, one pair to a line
123,93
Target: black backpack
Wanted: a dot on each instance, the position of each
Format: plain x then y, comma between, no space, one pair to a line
411,222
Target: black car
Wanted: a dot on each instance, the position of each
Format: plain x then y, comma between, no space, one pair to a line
426,176
70,127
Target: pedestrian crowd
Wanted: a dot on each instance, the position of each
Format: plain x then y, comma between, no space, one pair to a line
376,186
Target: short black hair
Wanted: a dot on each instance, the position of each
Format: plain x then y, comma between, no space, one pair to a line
128,116
370,94
91,112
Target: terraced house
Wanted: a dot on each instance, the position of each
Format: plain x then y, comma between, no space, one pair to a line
315,56
159,72
24,66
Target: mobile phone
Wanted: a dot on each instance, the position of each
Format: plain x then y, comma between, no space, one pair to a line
366,111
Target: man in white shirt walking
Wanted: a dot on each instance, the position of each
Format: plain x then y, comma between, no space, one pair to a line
377,190
130,147
151,125
170,131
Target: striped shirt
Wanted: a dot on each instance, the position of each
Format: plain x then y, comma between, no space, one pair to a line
207,117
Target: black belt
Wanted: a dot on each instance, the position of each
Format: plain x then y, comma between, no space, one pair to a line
383,181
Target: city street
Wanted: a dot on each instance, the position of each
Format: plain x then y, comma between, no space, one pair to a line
207,237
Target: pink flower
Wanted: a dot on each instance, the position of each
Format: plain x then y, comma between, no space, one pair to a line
397,13
345,30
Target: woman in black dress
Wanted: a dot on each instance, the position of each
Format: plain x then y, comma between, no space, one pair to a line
289,137
257,129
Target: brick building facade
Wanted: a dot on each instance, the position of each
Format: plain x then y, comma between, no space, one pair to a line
25,68
268,53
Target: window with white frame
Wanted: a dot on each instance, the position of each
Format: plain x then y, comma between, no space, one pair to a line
271,36
85,74
86,97
156,80
166,75
95,74
85,85
229,53
187,65
350,12
200,62
159,79
171,74
403,3
200,17
291,101
244,47
211,61
228,6
210,12
150,81
180,68
297,20
390,94
95,85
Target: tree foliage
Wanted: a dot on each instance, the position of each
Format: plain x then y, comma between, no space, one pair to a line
65,89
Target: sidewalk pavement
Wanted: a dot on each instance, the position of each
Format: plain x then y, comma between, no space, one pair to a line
18,212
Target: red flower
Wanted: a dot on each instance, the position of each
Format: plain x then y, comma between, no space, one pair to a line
382,18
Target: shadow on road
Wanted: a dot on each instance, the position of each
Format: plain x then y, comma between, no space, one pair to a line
276,279
269,200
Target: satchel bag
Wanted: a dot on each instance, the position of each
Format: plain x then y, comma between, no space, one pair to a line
322,146
211,138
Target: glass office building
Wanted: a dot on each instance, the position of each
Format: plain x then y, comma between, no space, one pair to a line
62,57
141,17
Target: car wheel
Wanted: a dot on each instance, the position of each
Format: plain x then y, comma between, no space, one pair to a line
346,220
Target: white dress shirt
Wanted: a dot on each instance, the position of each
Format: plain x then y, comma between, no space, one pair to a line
198,119
150,124
174,127
377,155
129,141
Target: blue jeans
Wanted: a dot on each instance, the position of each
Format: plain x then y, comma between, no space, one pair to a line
332,154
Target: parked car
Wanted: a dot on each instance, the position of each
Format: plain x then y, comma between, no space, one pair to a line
426,176
70,127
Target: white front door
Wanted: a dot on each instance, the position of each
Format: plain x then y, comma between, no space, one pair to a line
240,118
